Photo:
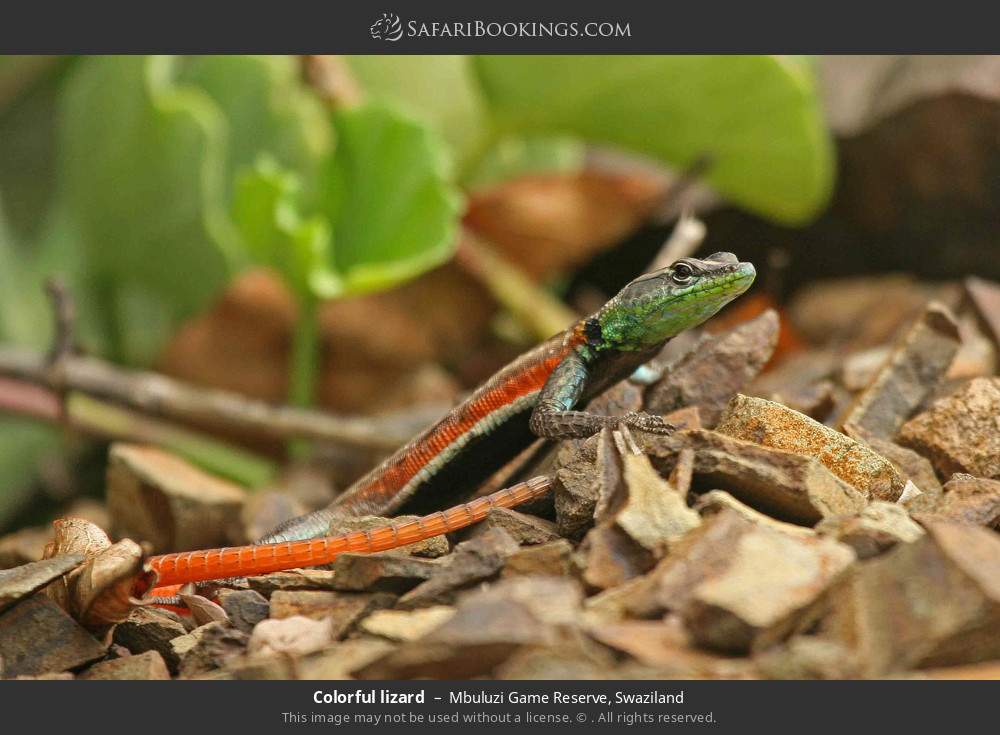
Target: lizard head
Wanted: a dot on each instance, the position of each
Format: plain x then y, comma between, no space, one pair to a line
665,302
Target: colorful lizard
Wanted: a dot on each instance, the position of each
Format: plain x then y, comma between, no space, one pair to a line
534,396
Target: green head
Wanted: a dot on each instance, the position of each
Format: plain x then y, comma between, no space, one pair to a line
661,304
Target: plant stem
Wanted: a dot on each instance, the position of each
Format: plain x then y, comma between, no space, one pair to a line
304,367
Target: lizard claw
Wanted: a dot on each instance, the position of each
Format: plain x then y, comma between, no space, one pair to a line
647,422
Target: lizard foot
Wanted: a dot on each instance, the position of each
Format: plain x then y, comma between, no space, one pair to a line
647,422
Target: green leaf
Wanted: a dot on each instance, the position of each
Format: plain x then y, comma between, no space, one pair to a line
757,116
439,90
268,108
267,211
143,162
387,195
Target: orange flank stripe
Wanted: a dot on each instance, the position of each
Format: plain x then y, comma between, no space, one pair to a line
242,561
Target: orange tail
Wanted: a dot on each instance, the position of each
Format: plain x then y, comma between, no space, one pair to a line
244,561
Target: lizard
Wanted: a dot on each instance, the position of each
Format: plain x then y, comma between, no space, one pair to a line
536,395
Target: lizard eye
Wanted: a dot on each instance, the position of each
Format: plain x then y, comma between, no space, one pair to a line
683,273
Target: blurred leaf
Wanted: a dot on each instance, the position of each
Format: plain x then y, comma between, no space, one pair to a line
268,108
511,158
266,209
440,90
758,116
143,169
388,198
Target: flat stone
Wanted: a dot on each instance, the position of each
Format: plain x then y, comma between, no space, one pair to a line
344,609
296,636
552,559
716,501
341,660
608,557
147,629
740,587
406,625
37,637
915,366
718,369
971,500
915,467
473,561
292,579
245,608
158,497
382,572
816,400
522,527
874,530
774,425
930,603
208,648
144,666
487,627
785,485
860,368
807,657
985,298
22,581
430,548
960,433
653,514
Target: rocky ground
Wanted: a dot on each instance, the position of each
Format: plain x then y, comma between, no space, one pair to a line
833,515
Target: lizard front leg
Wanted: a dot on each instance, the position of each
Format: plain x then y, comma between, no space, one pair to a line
554,417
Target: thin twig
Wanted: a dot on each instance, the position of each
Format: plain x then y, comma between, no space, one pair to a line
159,395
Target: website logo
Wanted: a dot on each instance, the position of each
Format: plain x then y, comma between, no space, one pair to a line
387,28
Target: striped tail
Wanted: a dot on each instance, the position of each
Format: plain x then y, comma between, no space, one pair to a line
245,561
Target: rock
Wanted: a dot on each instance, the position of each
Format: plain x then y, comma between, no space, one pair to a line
608,557
344,609
960,433
145,666
296,635
915,366
24,546
578,483
245,608
383,572
551,559
487,627
860,368
147,629
933,602
683,472
430,548
158,497
710,375
406,625
522,527
773,425
970,500
37,637
785,485
472,561
575,659
989,671
341,660
665,646
985,298
875,529
807,657
208,647
22,581
740,587
293,579
716,501
815,400
908,463
204,610
653,513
